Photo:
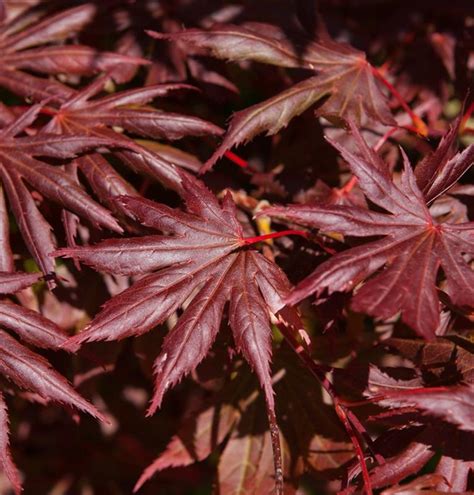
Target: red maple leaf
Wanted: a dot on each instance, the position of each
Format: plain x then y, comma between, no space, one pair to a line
22,41
343,75
401,268
25,368
202,260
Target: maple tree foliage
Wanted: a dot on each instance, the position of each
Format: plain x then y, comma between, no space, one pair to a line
21,49
19,165
413,248
297,320
79,115
26,369
202,264
343,73
205,250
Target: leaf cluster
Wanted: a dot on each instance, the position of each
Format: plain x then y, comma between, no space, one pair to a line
295,318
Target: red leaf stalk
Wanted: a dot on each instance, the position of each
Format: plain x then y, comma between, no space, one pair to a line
259,238
236,159
465,117
418,123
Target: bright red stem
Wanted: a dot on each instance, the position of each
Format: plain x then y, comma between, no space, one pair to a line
384,138
466,116
252,240
419,124
349,185
359,452
48,111
236,159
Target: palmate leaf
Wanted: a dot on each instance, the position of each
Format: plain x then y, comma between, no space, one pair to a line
128,110
204,264
413,247
204,259
26,369
19,166
21,48
343,75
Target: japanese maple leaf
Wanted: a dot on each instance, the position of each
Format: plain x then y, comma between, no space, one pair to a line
202,256
21,48
26,369
343,75
20,166
403,265
128,110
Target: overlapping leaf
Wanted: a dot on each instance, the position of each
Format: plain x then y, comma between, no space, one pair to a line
21,48
26,369
343,75
19,166
425,410
204,260
128,110
405,261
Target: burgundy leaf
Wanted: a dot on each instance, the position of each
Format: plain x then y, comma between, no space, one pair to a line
412,250
13,282
33,87
455,473
73,59
453,404
20,48
52,28
6,255
343,74
202,248
18,166
400,466
127,109
32,327
80,115
32,372
440,170
270,116
6,461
